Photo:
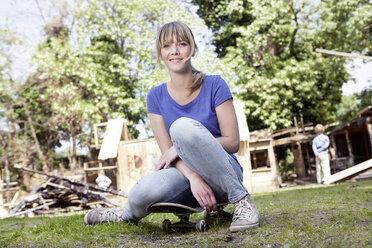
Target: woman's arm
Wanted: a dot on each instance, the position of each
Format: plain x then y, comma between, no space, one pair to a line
168,152
229,126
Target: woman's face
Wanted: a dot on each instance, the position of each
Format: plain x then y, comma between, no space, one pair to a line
175,55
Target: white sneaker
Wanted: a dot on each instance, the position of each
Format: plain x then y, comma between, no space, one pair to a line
100,215
245,215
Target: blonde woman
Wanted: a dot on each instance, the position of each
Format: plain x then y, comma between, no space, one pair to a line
194,123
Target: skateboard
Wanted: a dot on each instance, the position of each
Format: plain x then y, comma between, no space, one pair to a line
183,212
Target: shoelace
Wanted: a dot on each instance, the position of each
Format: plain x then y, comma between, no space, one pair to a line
242,210
110,215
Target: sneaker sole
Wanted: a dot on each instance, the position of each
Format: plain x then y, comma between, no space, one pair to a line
86,219
242,228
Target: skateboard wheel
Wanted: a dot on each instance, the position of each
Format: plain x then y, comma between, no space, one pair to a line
201,225
165,225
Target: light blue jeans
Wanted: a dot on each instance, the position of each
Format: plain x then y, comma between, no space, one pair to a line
197,147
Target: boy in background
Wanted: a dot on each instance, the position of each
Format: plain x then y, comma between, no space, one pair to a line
320,148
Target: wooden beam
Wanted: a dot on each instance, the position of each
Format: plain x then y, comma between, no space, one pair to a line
349,148
293,139
344,174
369,131
101,168
350,55
30,210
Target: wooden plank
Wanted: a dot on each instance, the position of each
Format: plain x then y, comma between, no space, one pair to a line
293,139
101,168
29,210
307,127
244,158
350,55
349,172
349,148
135,160
242,121
95,133
369,131
111,139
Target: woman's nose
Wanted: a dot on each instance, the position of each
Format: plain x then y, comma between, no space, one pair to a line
174,49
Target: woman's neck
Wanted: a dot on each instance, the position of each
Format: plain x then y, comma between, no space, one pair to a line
181,81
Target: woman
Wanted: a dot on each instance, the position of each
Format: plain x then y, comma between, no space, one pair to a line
194,123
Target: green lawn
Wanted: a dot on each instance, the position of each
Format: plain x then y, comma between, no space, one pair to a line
326,216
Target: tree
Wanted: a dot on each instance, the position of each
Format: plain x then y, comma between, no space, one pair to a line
350,105
99,69
272,46
16,145
364,98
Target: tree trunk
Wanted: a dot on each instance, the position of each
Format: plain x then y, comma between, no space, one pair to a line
6,167
73,165
33,133
298,157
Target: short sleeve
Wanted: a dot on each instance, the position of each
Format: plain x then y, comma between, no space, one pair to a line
221,92
152,102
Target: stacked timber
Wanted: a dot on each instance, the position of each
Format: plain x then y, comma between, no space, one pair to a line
59,194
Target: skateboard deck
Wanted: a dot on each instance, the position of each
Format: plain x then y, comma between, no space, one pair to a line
183,212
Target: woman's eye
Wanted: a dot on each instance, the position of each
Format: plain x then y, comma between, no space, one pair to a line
165,45
183,44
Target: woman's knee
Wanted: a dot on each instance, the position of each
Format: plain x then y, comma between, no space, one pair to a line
156,187
185,129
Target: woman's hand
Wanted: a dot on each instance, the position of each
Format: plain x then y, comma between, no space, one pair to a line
166,159
202,193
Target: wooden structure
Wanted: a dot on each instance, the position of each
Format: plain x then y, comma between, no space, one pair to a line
352,142
265,170
115,130
136,158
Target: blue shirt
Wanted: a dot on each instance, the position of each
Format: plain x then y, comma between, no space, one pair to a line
214,91
320,144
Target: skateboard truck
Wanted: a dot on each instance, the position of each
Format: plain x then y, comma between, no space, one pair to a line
183,213
184,223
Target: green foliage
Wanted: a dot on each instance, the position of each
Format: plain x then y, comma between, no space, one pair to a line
350,105
271,44
106,74
285,161
98,68
347,109
364,98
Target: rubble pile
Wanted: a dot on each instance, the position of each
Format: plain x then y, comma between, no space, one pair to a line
59,194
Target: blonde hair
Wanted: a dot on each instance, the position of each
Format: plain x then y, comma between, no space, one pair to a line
319,128
182,33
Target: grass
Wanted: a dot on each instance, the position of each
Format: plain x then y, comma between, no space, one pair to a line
326,216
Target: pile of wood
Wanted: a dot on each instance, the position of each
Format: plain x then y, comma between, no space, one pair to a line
60,194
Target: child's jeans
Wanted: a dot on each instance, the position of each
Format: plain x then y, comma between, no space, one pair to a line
323,171
197,147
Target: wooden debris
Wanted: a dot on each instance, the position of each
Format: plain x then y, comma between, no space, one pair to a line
59,194
344,174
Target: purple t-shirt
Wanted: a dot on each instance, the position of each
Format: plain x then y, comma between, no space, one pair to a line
214,91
